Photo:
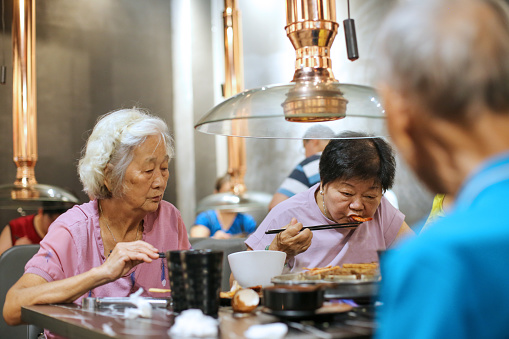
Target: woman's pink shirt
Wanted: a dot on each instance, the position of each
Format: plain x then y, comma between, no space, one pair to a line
74,245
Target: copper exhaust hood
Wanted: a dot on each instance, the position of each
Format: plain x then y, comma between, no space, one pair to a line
240,199
313,96
25,192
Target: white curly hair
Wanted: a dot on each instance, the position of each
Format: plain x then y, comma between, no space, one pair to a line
112,142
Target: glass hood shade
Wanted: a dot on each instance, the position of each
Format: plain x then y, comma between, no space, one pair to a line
248,201
259,113
33,196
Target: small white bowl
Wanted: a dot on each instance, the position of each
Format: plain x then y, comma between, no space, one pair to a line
253,268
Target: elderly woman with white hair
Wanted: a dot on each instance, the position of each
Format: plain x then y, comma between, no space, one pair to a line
109,246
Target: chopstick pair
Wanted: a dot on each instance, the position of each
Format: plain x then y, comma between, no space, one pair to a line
320,227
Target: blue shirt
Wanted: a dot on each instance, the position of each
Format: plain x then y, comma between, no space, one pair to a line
453,280
243,223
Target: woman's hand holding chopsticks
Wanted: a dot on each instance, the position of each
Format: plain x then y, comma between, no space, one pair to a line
292,239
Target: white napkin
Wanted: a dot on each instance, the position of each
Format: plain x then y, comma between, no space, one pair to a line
193,323
273,331
143,307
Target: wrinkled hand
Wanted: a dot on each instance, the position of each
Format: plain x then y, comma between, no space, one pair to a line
221,235
22,241
127,255
291,240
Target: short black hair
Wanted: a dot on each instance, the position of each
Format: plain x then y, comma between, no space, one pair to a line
363,156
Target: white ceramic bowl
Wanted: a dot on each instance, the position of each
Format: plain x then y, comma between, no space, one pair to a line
252,268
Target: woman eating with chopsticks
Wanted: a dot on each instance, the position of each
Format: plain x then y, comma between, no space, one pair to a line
108,247
354,174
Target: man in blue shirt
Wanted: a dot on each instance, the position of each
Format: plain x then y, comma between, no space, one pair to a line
444,82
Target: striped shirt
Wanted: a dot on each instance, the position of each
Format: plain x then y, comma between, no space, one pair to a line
303,176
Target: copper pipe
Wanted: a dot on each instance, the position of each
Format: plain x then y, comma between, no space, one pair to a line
24,100
234,83
234,73
311,28
26,191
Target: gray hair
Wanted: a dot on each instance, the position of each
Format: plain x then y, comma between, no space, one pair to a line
318,130
112,142
452,56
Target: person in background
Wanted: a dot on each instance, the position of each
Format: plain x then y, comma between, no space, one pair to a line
108,247
354,174
441,203
444,83
306,173
31,229
222,224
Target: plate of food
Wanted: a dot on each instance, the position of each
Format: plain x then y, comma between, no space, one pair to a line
348,281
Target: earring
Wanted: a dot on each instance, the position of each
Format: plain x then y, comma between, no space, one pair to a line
321,192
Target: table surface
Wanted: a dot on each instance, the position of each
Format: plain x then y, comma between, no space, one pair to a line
71,321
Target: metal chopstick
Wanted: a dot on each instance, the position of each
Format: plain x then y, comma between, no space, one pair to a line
319,227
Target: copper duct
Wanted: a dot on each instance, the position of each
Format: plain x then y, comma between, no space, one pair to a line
26,191
234,83
24,97
241,199
311,28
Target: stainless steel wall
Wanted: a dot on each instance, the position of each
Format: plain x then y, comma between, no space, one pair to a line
92,57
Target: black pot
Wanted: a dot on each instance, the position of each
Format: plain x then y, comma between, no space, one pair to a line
293,298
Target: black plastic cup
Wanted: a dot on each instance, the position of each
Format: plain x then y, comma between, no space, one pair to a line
195,279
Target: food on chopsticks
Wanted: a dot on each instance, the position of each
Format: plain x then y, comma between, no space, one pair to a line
336,272
360,219
245,300
159,290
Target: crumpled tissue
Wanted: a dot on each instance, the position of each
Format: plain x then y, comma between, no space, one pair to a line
143,307
108,329
273,331
193,323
